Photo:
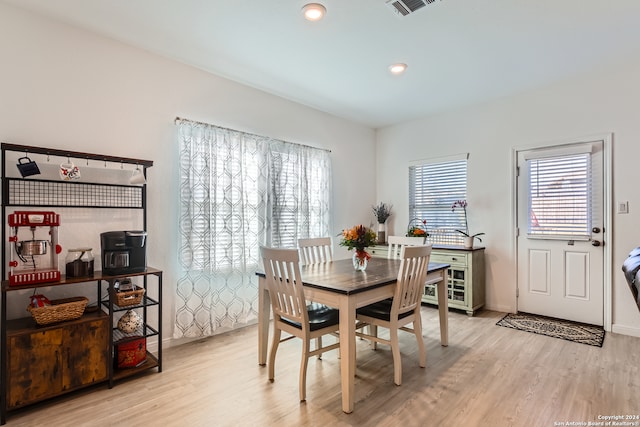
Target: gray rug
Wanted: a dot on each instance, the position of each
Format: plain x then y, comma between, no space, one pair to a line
557,328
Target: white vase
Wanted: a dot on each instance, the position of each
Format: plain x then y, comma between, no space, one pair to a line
468,242
382,233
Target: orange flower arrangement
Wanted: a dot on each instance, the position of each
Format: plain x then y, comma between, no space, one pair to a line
358,237
417,228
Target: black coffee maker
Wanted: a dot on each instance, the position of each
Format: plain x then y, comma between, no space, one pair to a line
123,252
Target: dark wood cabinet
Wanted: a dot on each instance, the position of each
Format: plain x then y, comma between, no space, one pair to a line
47,361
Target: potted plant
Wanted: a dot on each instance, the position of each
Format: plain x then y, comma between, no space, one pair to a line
468,239
382,212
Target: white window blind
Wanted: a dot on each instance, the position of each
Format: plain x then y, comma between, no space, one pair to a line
433,188
560,196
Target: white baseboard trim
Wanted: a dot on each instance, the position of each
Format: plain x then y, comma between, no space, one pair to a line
626,330
500,308
166,343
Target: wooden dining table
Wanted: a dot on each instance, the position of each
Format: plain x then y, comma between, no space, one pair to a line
337,284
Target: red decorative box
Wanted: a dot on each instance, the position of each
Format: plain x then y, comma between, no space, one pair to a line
131,353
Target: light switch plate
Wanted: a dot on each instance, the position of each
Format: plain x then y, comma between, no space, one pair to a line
623,207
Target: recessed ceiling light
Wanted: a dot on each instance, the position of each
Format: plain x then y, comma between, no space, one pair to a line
397,68
314,11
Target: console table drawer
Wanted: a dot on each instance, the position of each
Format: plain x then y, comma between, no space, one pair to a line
380,251
457,259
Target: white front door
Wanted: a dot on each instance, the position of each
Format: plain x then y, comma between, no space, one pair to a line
561,233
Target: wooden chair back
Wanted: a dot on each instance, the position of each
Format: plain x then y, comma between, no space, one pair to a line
411,279
397,244
315,250
282,271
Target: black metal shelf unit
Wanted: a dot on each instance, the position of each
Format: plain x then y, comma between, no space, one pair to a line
30,192
145,330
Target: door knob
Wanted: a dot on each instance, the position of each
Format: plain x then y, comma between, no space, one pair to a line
597,243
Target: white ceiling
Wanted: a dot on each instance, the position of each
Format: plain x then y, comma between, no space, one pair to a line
459,52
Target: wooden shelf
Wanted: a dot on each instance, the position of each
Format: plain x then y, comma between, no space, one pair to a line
97,276
120,373
25,325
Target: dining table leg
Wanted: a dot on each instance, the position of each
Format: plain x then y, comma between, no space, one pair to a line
347,352
443,310
264,311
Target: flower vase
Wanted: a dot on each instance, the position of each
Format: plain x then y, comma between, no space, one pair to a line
382,235
468,242
360,259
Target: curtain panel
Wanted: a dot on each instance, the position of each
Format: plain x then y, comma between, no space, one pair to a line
239,191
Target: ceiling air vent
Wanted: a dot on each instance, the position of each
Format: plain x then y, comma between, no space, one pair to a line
406,7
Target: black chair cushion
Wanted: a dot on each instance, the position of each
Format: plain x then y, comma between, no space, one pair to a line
320,316
380,310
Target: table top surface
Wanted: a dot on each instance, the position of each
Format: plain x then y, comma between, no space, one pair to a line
339,276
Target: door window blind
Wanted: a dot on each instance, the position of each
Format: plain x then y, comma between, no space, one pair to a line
560,196
433,189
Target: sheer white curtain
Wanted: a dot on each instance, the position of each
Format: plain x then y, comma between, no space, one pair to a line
239,191
299,196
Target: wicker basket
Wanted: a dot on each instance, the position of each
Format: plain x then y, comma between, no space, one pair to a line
127,298
59,310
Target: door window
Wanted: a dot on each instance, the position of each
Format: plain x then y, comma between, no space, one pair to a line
560,197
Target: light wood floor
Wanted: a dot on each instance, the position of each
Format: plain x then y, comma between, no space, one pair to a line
487,376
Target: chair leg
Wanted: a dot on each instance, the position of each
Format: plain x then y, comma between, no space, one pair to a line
277,333
319,345
417,328
303,369
373,331
395,351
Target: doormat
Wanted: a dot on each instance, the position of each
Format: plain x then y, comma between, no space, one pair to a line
557,328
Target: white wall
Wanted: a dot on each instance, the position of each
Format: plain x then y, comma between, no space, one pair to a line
69,89
65,88
602,102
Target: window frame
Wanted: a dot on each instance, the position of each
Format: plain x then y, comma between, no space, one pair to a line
436,207
572,174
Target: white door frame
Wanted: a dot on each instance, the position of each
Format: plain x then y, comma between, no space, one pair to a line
607,139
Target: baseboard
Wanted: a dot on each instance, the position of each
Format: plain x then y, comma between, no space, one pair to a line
500,308
166,343
626,330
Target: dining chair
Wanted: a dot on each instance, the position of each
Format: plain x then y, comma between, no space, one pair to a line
395,314
315,250
291,313
397,243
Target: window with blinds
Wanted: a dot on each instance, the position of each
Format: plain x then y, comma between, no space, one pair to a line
300,191
433,188
560,196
